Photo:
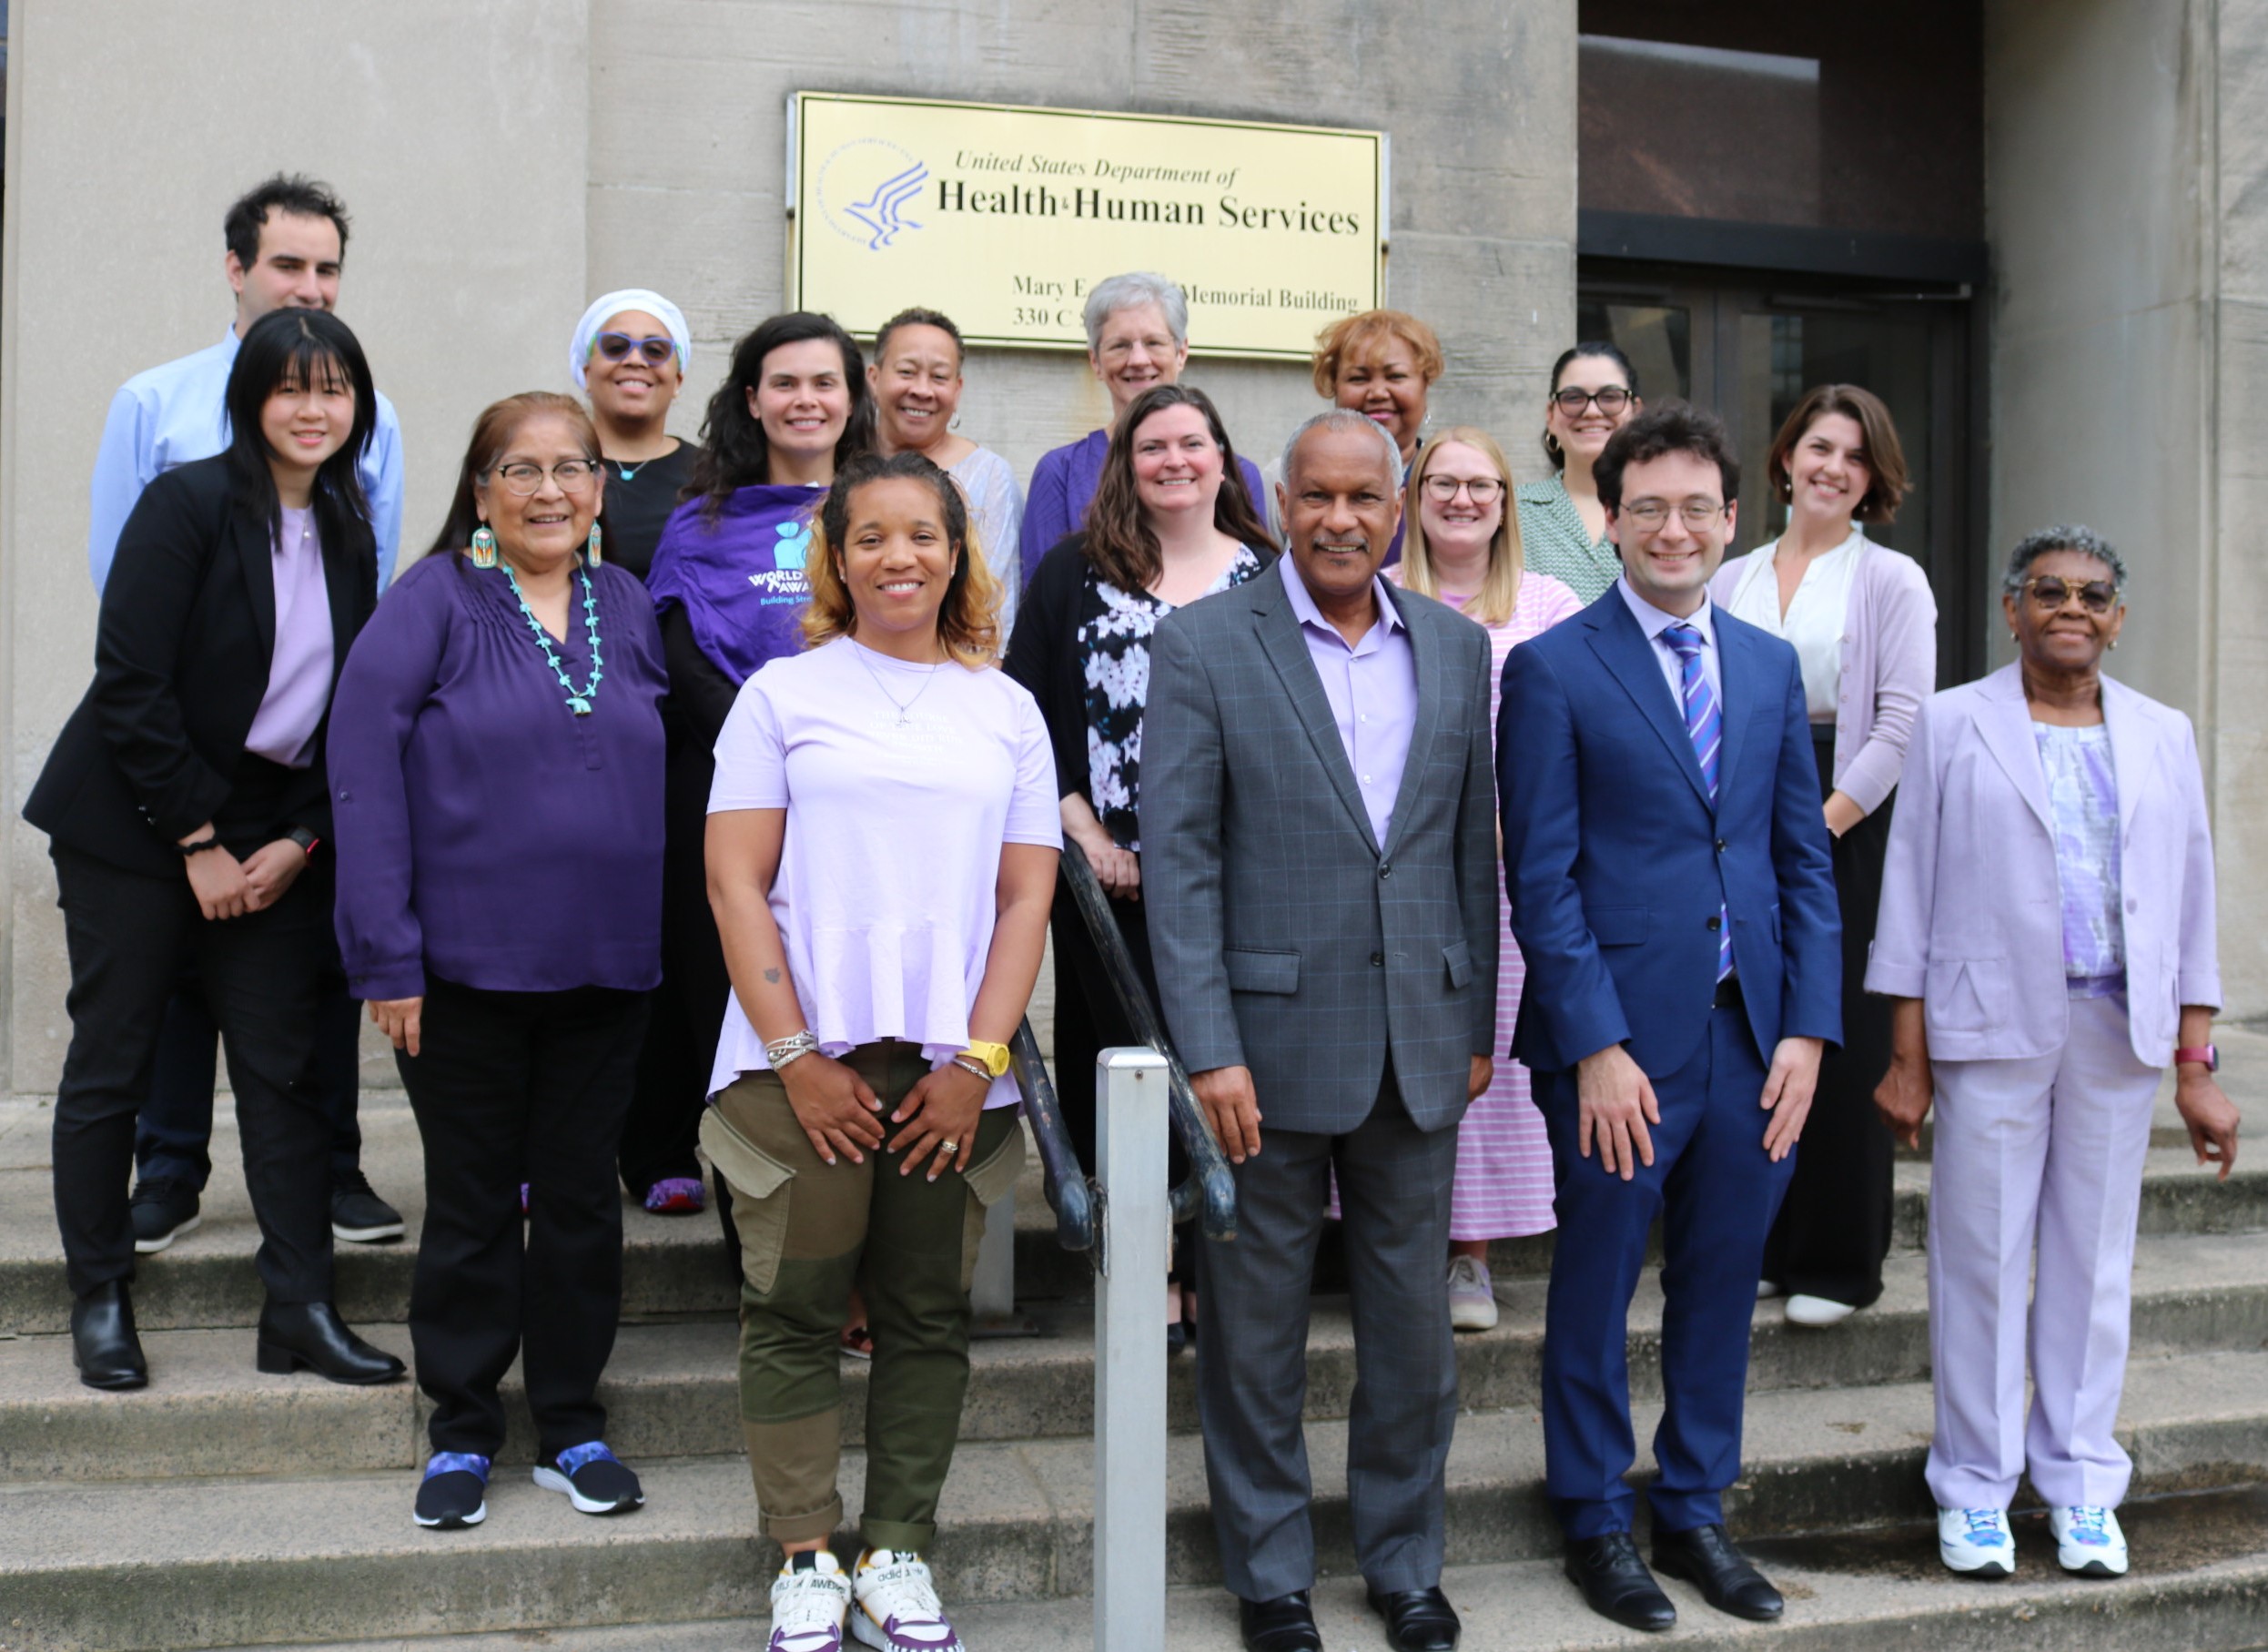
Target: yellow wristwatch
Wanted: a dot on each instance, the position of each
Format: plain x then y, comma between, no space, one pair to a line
993,1058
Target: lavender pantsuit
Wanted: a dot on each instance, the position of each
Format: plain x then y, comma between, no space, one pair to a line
2043,1096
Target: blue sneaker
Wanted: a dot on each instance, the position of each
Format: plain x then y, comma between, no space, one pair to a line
1976,1542
454,1492
595,1482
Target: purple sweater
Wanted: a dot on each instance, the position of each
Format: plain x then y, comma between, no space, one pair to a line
1064,480
1889,666
485,833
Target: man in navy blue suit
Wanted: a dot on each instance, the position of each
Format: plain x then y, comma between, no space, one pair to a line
1672,897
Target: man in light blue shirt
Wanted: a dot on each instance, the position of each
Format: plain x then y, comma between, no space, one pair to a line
287,240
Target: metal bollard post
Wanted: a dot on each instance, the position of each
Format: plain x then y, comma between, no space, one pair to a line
1131,1239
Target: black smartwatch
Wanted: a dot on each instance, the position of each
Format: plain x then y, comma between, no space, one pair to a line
306,839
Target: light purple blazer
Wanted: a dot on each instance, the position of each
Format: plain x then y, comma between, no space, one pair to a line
1972,918
1889,665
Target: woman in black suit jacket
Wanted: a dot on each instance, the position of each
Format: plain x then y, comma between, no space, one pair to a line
1167,526
186,810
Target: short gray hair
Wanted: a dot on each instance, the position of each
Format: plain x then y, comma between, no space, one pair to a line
1345,418
1131,291
2061,537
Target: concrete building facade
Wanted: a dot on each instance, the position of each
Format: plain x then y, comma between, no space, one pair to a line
505,162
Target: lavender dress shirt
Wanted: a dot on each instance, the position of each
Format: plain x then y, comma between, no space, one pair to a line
1372,685
298,672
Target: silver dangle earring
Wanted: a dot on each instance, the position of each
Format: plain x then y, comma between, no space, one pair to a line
483,547
597,537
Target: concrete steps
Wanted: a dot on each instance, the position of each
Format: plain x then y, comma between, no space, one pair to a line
224,1508
672,1388
245,1560
2216,1603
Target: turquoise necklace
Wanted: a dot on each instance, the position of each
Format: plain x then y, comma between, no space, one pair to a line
578,699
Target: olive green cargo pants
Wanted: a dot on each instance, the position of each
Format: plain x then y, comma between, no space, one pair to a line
808,1231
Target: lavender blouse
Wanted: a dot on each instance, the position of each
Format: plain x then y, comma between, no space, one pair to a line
2083,802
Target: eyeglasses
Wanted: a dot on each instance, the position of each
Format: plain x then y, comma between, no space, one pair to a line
1484,488
1651,513
615,346
573,476
2049,592
1572,399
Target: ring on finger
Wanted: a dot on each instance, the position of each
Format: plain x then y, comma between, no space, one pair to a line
948,1147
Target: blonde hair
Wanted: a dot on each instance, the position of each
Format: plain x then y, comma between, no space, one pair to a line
1492,604
968,625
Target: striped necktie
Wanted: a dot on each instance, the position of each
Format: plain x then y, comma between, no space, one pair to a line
1705,727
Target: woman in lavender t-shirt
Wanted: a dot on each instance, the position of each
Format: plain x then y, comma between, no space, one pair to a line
881,846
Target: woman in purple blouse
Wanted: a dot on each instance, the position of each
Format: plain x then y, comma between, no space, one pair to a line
728,586
496,776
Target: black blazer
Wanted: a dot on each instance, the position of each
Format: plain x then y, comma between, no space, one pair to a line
1043,653
181,659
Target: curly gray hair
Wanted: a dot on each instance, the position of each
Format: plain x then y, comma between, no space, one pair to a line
1130,292
2062,537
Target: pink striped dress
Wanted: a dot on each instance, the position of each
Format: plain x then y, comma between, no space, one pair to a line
1504,1186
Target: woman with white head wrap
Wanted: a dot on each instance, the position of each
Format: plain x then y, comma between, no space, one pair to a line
629,355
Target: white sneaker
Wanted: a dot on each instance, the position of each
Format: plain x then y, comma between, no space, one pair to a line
1817,1310
898,1605
1976,1542
2088,1541
809,1603
1766,1289
1472,1297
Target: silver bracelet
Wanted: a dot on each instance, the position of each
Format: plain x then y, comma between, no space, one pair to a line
973,1068
781,1052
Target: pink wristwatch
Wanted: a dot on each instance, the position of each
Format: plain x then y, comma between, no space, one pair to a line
2210,1054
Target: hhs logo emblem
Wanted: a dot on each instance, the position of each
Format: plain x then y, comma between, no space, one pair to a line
865,189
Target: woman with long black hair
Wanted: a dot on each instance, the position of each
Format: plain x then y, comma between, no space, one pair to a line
1167,526
728,583
188,818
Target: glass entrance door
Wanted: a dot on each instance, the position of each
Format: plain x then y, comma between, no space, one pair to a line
1747,352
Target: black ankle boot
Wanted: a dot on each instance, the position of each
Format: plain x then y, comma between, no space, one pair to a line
311,1334
103,1344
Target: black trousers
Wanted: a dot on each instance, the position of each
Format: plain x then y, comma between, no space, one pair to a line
173,1134
688,1009
1834,1230
512,1087
130,936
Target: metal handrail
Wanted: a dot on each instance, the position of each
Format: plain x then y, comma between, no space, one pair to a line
1209,1187
1068,1194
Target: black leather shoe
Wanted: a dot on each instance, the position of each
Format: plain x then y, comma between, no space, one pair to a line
1286,1624
1706,1558
102,1344
311,1334
1417,1620
1616,1582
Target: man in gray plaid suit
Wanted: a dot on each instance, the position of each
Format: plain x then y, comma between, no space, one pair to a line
1319,858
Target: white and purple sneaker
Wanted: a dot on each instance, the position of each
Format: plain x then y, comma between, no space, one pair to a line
897,1609
810,1599
2088,1541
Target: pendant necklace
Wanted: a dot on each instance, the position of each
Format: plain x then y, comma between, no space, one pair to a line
904,707
578,699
